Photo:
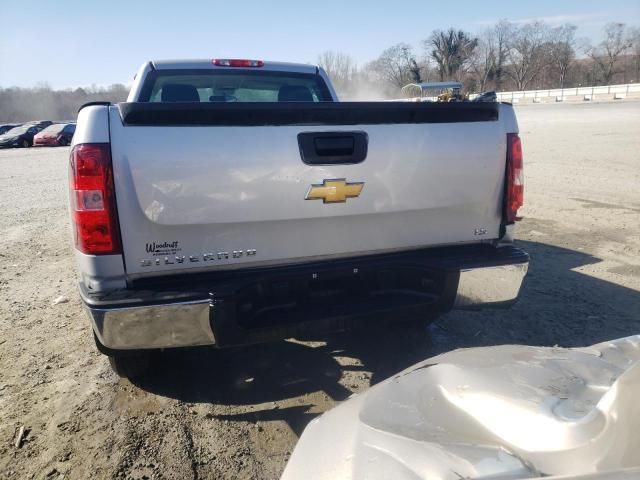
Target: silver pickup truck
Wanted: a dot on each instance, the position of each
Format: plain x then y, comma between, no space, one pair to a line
237,201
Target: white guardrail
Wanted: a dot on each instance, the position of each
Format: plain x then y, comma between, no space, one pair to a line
587,93
614,92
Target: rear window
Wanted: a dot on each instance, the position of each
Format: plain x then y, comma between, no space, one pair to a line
233,86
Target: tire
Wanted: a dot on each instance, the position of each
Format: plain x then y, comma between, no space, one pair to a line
25,143
130,366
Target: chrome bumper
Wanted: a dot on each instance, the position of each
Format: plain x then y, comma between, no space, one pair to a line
155,326
497,286
154,320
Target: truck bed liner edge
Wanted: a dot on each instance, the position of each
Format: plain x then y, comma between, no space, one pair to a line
303,113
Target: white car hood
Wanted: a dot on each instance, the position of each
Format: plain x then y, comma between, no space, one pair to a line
506,412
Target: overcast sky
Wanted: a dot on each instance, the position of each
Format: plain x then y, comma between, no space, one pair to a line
70,43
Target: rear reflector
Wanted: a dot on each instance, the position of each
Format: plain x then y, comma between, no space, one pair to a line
236,62
93,201
514,189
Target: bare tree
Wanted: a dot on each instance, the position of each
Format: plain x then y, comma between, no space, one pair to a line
527,54
500,35
415,70
635,52
484,59
341,68
451,50
607,54
562,50
396,66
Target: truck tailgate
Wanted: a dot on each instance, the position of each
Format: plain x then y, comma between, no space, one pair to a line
224,186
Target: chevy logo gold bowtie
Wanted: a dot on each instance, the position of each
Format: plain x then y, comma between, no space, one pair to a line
334,191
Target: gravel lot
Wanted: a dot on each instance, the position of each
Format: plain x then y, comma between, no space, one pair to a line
238,413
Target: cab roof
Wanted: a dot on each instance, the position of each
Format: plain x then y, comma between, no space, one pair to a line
207,64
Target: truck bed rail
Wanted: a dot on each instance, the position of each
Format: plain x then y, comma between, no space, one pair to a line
303,113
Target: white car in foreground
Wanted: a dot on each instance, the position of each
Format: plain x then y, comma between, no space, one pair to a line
506,412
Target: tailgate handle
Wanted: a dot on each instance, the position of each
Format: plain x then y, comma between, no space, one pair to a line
333,148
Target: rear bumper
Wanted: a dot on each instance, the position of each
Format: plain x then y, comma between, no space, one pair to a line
184,312
179,324
495,286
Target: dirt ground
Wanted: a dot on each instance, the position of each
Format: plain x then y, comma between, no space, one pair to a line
238,413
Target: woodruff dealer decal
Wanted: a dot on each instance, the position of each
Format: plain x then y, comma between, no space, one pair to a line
169,253
163,248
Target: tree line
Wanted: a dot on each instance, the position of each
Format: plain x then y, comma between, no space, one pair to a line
506,56
503,57
43,103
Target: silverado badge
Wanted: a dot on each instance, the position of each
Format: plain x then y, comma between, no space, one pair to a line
334,191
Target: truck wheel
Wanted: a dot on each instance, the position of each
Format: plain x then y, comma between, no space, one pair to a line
130,366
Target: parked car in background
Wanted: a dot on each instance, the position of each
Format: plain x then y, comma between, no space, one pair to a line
58,134
22,136
6,127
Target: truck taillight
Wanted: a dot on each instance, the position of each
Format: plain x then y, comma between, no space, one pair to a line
514,189
93,201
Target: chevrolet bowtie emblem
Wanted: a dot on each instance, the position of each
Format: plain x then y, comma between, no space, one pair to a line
334,191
